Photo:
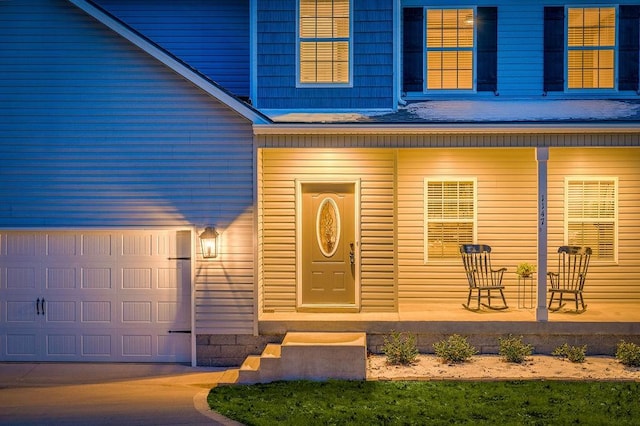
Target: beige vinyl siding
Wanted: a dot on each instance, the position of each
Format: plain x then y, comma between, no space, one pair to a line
278,171
606,281
507,219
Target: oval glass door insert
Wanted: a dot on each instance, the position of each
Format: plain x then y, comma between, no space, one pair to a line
328,227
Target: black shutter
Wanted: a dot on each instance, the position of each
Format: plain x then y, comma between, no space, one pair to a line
553,49
487,73
412,49
628,47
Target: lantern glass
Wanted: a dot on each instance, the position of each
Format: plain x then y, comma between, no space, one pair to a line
209,243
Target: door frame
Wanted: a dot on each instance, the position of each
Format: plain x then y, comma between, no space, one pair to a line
299,182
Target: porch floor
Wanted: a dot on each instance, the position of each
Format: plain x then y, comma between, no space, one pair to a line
595,313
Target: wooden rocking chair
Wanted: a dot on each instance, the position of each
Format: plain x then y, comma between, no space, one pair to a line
573,263
481,276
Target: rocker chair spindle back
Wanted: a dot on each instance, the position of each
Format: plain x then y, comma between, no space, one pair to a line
573,263
482,278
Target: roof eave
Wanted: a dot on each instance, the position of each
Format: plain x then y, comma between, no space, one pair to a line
445,128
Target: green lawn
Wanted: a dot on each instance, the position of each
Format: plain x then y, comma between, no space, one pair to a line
430,402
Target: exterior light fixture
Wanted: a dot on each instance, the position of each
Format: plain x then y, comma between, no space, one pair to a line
209,242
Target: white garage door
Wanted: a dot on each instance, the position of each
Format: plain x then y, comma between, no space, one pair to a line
112,296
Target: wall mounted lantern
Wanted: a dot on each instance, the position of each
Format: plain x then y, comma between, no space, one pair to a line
209,242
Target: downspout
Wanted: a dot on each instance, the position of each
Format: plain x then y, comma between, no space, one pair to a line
397,57
542,157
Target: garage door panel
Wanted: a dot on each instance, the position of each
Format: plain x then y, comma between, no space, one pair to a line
22,344
62,345
21,311
95,296
62,278
20,277
60,311
97,277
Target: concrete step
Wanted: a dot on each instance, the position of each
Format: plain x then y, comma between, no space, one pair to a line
229,377
273,350
311,356
251,363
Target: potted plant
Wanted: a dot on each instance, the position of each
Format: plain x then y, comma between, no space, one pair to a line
525,269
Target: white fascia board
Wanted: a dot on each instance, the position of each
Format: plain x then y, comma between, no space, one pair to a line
171,62
444,129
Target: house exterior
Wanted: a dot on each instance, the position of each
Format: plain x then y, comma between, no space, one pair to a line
341,149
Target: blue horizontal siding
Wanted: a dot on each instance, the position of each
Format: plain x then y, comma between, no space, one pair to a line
94,132
211,36
372,84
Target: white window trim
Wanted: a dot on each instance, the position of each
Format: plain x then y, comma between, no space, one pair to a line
474,52
616,55
565,225
426,210
301,85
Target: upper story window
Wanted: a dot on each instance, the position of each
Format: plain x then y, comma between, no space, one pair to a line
324,41
449,49
450,45
591,214
591,45
593,48
450,216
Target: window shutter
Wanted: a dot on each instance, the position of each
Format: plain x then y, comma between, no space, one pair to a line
487,75
629,49
412,49
553,49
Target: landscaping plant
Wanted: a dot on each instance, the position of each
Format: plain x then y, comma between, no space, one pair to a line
454,349
628,353
572,353
512,349
400,348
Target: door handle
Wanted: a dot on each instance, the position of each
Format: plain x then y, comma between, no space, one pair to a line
352,254
38,306
42,306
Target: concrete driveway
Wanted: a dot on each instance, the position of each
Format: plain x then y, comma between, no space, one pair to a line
107,394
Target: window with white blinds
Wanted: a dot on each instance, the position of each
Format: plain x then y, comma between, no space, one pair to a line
324,41
450,216
591,215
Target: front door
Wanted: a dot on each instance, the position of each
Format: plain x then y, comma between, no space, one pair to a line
328,246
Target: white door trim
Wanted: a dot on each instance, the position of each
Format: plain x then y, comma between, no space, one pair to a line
320,180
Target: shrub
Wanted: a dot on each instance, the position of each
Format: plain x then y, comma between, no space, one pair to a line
628,354
454,349
572,353
512,349
400,348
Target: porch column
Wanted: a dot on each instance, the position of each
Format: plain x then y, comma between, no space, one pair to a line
542,156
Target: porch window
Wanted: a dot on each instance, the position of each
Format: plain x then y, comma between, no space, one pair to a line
450,217
450,45
591,44
324,41
591,215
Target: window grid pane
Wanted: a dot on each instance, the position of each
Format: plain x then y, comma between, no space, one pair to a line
591,48
324,41
450,43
